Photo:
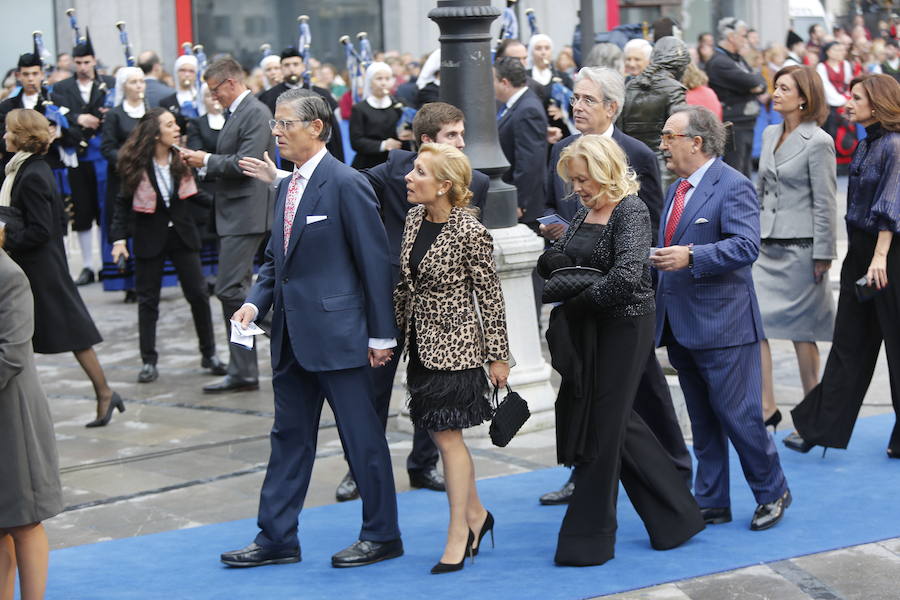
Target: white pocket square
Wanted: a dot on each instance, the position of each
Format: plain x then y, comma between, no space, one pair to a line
315,219
701,221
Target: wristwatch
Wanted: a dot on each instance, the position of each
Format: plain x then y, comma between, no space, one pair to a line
690,257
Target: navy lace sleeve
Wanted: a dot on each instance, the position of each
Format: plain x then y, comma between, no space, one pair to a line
873,193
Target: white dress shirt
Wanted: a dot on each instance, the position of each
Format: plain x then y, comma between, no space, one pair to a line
694,180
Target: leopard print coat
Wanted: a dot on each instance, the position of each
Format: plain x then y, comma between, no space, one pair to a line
449,335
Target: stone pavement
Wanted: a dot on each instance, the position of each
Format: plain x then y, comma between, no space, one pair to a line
178,458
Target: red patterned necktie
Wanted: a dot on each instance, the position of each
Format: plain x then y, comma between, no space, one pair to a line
290,206
677,209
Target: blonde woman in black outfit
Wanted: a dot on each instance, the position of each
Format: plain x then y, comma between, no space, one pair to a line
599,340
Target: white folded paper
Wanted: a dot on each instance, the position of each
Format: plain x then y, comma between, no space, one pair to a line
243,336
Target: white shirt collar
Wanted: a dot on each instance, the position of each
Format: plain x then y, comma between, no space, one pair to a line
216,122
237,101
542,76
697,175
609,130
515,97
135,112
29,100
182,96
383,102
307,168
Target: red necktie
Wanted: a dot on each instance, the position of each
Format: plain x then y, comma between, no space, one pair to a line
290,206
677,209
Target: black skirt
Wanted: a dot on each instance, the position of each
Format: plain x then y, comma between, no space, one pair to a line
445,400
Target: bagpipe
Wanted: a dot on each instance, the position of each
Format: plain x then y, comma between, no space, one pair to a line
126,47
356,66
509,27
304,43
44,104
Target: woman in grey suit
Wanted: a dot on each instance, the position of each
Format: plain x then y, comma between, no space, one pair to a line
30,491
798,224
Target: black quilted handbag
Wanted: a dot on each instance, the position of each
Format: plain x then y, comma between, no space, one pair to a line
567,282
509,417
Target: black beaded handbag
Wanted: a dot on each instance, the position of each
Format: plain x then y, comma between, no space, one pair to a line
509,417
567,282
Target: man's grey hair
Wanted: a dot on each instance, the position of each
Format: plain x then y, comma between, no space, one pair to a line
729,25
225,68
308,106
703,123
606,55
611,83
639,44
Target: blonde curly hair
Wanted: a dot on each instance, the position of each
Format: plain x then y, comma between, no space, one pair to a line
606,165
449,164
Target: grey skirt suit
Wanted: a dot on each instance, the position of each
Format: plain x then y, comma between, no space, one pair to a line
30,490
798,224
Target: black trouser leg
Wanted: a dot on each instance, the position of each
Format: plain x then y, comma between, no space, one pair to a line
190,275
147,283
828,413
653,403
739,154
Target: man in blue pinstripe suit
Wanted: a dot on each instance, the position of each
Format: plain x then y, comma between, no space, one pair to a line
708,317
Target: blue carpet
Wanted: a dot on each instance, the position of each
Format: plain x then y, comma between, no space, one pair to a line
846,499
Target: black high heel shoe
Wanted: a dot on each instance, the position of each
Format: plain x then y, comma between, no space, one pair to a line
890,454
773,420
488,526
795,442
114,403
443,567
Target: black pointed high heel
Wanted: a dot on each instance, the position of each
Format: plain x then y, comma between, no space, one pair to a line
114,403
892,454
773,420
488,526
443,567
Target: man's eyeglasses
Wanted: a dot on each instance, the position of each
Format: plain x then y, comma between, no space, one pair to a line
668,138
588,101
215,89
283,124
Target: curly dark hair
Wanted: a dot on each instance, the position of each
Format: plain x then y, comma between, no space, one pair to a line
136,154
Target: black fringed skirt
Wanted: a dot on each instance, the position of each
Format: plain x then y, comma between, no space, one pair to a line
444,400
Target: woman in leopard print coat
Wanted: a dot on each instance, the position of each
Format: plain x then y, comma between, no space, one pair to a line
446,267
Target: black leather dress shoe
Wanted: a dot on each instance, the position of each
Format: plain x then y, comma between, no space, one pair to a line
430,479
255,555
85,277
560,496
364,552
795,442
231,384
215,366
148,373
716,516
768,515
346,489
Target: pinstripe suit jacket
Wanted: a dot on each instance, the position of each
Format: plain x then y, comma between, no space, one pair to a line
713,305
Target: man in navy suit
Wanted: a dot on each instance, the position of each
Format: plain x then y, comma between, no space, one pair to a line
327,279
598,99
522,128
434,122
708,318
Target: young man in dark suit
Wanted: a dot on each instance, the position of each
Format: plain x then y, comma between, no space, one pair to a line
327,281
598,100
243,205
708,317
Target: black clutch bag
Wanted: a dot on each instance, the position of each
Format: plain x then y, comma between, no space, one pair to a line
509,417
864,291
567,282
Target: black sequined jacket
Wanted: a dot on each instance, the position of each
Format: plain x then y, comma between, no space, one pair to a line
622,253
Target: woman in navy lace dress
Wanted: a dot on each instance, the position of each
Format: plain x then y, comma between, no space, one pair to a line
827,414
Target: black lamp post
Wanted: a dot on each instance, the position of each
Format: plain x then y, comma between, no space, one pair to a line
467,82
